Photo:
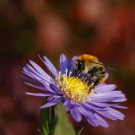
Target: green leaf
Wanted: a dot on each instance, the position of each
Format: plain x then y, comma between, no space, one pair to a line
63,127
79,132
44,119
47,120
52,121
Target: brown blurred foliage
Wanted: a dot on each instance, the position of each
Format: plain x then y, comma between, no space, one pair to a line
104,28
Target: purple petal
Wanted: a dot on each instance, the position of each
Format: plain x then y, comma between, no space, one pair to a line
64,64
108,94
121,107
69,104
107,75
93,107
105,88
53,96
89,115
27,79
34,74
107,115
106,99
76,114
63,97
38,87
47,86
112,114
54,88
40,70
101,121
27,73
116,113
50,66
45,76
104,104
92,122
74,103
119,100
31,74
73,59
116,92
39,94
51,103
66,102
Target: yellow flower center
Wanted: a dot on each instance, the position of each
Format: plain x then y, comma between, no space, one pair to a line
74,88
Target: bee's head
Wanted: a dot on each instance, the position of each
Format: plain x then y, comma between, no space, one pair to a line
78,65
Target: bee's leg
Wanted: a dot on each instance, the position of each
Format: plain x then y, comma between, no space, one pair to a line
96,81
79,73
91,88
74,73
90,81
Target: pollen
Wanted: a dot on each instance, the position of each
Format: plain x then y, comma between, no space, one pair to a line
74,88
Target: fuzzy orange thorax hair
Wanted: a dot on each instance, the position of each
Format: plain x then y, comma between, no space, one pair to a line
87,57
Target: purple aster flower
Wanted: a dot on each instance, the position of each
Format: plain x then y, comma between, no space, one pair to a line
77,96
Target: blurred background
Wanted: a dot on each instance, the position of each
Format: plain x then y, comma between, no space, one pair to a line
104,28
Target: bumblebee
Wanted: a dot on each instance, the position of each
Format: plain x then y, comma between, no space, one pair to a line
92,67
